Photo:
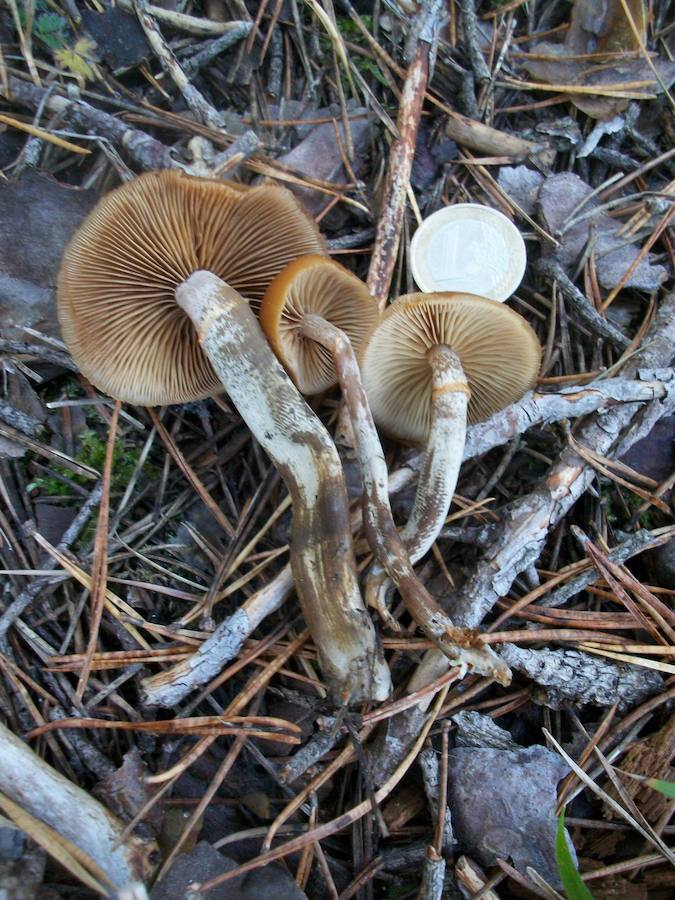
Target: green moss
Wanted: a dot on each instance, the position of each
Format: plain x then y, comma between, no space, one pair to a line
367,66
72,390
615,511
350,31
47,25
125,458
91,452
50,486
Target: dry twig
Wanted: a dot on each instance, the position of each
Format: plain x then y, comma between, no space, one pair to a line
72,812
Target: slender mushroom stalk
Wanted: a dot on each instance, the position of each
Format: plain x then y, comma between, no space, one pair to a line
117,302
298,335
432,363
438,473
450,396
299,446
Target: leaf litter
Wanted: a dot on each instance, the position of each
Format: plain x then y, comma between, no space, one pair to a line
310,95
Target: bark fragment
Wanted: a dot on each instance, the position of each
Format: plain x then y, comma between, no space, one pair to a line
573,677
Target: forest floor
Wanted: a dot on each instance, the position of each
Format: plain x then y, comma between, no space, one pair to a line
127,535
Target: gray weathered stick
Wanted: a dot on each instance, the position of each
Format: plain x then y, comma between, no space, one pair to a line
18,419
211,49
567,403
570,676
312,751
200,26
42,791
37,351
582,306
172,685
527,522
470,23
433,876
475,729
634,544
199,105
145,151
538,408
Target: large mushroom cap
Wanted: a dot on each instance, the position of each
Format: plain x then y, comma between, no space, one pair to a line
498,350
314,284
119,274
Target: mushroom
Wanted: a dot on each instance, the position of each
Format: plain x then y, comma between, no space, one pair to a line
148,324
116,286
311,293
311,312
432,362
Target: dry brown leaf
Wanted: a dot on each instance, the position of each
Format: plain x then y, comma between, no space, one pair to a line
603,49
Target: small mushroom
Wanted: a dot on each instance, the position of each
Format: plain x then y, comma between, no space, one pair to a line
311,312
148,324
309,289
117,283
432,362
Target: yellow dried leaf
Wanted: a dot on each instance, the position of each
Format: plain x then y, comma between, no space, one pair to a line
76,59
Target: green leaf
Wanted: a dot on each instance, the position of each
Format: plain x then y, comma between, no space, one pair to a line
667,788
575,889
50,27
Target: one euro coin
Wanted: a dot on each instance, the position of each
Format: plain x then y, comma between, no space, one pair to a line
470,248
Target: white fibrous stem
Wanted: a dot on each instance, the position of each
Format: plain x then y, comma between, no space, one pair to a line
443,454
322,557
439,471
461,646
47,795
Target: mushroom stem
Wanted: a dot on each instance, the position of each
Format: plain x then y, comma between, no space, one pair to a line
443,454
322,557
440,467
462,646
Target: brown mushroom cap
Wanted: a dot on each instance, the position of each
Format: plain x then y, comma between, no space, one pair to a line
119,274
319,285
498,350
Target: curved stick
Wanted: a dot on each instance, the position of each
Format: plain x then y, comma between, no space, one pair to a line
72,812
322,557
461,646
168,687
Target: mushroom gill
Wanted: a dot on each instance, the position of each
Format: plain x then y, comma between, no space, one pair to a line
117,283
